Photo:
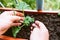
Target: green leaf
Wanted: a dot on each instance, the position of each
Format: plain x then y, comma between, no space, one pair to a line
28,20
15,30
8,3
26,23
23,5
31,3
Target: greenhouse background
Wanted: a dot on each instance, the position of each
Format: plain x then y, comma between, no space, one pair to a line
30,4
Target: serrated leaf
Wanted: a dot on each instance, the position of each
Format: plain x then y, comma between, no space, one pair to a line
23,5
28,20
15,30
26,23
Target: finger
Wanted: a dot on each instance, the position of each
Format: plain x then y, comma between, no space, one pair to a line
16,13
16,18
12,13
41,25
34,25
35,34
31,29
21,21
19,14
16,24
37,23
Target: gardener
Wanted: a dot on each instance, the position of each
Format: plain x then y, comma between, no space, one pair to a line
8,19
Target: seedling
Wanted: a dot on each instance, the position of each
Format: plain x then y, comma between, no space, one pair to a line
25,23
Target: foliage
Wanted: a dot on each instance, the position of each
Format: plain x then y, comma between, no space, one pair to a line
8,3
31,4
23,5
15,30
52,5
28,20
26,23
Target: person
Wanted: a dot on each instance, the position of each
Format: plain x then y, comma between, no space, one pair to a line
9,19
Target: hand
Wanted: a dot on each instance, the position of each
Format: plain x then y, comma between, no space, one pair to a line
9,19
40,32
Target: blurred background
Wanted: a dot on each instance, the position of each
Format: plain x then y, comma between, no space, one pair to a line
30,4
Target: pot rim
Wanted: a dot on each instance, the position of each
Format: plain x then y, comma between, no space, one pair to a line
8,37
30,11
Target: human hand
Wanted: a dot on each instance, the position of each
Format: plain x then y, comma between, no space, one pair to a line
9,19
40,32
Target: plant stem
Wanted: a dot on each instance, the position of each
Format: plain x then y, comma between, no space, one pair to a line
16,1
22,25
2,5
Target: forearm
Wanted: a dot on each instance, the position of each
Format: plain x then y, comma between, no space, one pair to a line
3,29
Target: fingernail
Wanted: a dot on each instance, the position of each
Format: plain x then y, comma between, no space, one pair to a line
21,18
36,21
32,28
21,21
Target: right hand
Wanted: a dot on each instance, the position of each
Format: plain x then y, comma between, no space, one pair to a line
40,32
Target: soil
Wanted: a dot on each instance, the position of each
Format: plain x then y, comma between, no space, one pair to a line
51,21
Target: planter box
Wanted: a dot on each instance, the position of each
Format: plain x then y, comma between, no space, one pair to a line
50,19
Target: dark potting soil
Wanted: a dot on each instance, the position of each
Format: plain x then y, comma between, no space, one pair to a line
51,21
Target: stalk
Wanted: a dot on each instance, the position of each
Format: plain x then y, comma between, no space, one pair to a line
2,5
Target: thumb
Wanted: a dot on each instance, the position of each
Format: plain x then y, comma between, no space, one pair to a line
35,34
42,26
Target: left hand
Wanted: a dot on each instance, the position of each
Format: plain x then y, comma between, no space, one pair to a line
8,19
40,32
